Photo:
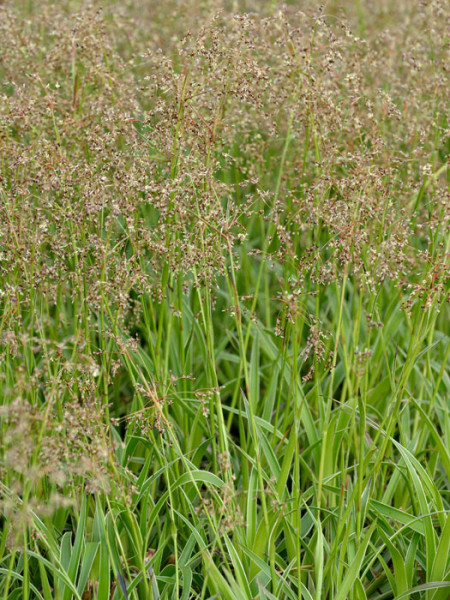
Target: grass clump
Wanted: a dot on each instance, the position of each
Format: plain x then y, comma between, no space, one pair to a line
223,283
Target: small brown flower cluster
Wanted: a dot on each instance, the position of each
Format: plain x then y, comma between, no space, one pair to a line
316,347
56,449
64,444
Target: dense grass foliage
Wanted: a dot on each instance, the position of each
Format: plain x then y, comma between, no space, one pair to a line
223,282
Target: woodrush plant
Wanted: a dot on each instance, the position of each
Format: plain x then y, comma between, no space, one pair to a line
224,275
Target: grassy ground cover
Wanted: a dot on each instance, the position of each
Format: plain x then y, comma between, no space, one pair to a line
223,282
